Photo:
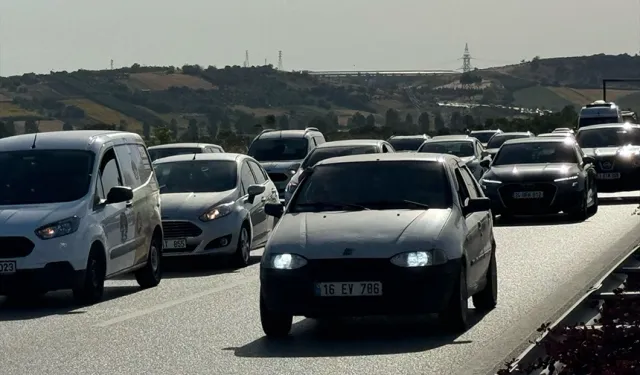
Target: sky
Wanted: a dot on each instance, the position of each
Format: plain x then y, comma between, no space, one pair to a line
54,35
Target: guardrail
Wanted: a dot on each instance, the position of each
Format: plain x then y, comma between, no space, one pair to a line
585,314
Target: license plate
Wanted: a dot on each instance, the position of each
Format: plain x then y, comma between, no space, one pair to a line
349,289
179,243
608,176
528,195
7,267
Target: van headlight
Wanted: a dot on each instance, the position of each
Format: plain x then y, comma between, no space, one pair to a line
217,212
420,258
58,228
284,262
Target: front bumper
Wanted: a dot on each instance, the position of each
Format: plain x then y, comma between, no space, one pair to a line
404,290
218,236
562,196
53,276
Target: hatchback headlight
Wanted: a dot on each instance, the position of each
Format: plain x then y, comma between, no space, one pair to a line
217,212
59,228
284,261
420,258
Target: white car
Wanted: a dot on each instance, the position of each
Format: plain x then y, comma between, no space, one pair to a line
77,207
213,204
380,234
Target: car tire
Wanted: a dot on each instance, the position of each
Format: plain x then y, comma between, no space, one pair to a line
91,288
594,208
150,275
487,298
581,213
242,255
275,325
455,316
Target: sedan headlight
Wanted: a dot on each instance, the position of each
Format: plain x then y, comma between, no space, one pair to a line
217,212
59,228
420,258
569,178
284,261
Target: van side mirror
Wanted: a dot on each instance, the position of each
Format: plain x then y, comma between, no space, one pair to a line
485,163
274,209
119,194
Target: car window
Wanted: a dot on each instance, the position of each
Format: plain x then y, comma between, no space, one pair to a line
457,148
608,137
463,192
323,153
472,187
499,139
279,149
483,137
257,172
109,174
144,165
128,167
479,148
246,176
406,144
196,176
536,153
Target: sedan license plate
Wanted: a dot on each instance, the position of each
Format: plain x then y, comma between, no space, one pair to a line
7,267
528,195
608,176
176,243
349,289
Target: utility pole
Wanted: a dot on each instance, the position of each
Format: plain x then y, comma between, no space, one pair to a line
111,64
280,66
466,59
246,58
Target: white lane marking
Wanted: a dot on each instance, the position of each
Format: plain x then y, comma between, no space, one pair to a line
166,305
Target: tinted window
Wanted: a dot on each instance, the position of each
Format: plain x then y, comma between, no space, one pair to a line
109,174
166,152
379,185
499,139
247,176
128,167
47,176
407,144
197,176
257,172
532,153
267,149
144,165
586,121
483,137
457,148
608,137
320,154
469,180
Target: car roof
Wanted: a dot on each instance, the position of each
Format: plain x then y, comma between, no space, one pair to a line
486,131
66,140
351,142
279,134
416,136
608,126
182,145
394,156
555,135
205,156
440,140
512,133
539,140
451,136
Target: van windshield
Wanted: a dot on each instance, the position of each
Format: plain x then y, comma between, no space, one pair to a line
586,121
279,149
44,176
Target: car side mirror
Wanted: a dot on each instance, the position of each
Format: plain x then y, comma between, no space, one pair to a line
119,194
274,209
588,160
485,163
478,205
484,153
253,191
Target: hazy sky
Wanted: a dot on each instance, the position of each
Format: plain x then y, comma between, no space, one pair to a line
44,35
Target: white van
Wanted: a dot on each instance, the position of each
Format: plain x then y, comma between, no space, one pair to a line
599,112
77,207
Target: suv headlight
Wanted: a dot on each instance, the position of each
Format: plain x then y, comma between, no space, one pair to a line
58,228
217,212
284,261
569,178
412,259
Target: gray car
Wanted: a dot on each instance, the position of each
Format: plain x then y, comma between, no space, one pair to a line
214,204
380,234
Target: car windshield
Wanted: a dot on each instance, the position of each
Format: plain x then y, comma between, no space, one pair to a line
457,148
196,176
536,153
406,144
159,153
44,176
608,137
374,185
586,121
499,139
320,154
279,149
483,137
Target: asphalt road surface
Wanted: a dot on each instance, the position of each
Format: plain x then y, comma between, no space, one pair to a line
206,321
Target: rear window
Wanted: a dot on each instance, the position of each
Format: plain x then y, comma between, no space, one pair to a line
608,137
160,153
536,153
279,149
320,154
406,144
586,121
458,148
499,139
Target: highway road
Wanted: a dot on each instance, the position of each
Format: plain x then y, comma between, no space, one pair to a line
206,321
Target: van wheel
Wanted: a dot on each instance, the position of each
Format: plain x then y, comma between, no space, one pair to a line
455,316
91,289
242,255
150,275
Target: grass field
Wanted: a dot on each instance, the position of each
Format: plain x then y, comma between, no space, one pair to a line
158,81
103,114
8,109
584,96
539,97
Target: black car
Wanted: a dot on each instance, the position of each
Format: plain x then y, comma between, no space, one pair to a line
468,149
497,140
616,150
541,176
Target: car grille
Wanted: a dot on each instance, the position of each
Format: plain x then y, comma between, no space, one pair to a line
180,229
278,177
606,164
348,269
15,247
548,189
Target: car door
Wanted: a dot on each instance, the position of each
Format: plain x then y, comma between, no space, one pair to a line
485,222
112,217
262,200
133,240
256,208
473,238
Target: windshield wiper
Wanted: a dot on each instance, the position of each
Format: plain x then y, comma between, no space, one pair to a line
399,203
321,205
